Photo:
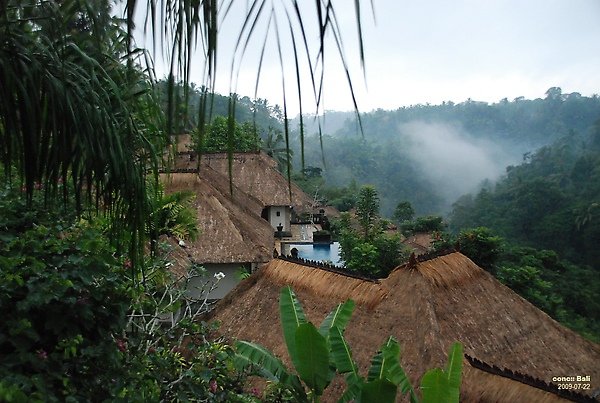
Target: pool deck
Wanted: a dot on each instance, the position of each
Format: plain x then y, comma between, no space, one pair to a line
302,233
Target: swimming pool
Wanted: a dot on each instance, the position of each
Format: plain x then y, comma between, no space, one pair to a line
319,252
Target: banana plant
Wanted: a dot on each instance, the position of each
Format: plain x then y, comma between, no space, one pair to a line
318,354
384,378
438,385
307,346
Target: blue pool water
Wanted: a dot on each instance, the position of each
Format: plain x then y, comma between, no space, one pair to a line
319,252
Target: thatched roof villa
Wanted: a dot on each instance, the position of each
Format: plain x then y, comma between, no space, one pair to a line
514,350
255,174
420,243
232,235
236,228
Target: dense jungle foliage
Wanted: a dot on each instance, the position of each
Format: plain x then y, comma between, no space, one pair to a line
549,201
429,155
547,211
77,326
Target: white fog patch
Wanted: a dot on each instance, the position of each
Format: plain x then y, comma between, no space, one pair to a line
454,161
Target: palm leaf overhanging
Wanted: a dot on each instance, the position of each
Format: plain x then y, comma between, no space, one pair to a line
74,119
77,116
184,24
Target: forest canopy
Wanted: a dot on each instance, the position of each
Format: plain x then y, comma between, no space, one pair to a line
430,155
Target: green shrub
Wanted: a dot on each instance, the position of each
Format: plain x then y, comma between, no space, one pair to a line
63,300
423,224
75,327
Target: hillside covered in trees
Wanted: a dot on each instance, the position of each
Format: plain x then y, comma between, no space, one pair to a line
430,155
547,209
551,200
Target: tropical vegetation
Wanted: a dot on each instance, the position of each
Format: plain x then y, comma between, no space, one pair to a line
366,247
80,324
430,155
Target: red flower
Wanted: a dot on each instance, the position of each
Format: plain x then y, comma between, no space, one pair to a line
212,386
121,345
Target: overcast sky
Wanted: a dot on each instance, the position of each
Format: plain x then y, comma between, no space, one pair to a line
429,51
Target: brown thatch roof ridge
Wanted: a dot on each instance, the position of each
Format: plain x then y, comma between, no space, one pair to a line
326,266
528,380
442,300
257,175
230,229
325,282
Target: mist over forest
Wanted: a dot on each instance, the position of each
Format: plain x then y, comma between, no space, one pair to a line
430,155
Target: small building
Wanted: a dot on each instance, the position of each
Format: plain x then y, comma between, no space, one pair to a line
280,217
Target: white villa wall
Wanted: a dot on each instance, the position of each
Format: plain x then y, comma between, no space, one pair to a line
225,285
284,217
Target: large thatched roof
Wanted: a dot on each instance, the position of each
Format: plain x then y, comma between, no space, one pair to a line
426,306
230,229
254,173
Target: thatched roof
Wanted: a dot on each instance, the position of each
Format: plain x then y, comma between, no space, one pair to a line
254,173
230,229
420,243
427,307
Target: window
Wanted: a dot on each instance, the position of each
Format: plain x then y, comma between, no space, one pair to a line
278,213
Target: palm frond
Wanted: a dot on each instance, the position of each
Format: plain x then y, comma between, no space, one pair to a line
184,21
70,113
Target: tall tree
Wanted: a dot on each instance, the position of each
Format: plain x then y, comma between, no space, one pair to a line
404,212
367,209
